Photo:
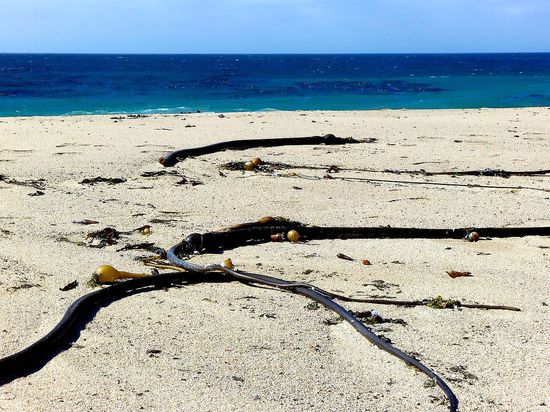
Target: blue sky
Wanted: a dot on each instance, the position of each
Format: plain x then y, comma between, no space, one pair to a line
274,26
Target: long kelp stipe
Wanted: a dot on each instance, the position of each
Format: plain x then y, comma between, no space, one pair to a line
172,158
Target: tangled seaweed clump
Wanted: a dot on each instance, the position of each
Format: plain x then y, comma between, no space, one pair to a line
440,303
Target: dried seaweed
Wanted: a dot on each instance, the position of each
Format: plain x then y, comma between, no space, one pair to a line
38,184
85,222
455,274
440,303
186,181
69,286
143,246
158,173
99,179
106,236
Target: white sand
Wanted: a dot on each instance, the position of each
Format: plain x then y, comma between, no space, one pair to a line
232,347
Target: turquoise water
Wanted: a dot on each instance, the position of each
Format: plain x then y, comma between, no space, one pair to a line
42,84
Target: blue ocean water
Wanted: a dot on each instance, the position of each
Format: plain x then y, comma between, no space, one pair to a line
56,84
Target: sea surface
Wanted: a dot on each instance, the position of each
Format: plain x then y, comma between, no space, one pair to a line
61,84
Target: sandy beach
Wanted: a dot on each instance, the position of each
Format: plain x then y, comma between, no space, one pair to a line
230,346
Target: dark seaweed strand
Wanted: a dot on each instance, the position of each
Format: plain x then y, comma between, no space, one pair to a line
80,312
225,240
314,293
172,158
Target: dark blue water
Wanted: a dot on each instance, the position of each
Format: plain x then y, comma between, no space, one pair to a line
49,84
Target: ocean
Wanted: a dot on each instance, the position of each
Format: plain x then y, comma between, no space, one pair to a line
67,84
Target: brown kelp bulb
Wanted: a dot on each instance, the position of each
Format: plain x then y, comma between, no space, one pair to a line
106,274
249,166
293,235
257,161
146,231
473,236
227,263
265,219
277,237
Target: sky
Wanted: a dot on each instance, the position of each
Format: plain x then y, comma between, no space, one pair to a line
274,26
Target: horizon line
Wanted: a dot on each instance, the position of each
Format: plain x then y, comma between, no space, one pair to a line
267,53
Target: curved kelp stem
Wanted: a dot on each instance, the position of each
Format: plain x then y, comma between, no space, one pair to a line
79,313
172,158
316,294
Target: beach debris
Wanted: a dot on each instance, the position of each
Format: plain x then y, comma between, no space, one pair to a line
261,166
472,237
67,240
368,317
440,303
366,262
157,173
153,353
186,181
137,116
99,179
106,236
429,383
163,221
108,274
381,284
37,193
86,222
313,306
293,236
371,317
228,264
143,246
455,274
69,286
465,376
248,166
144,230
344,257
38,184
23,285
